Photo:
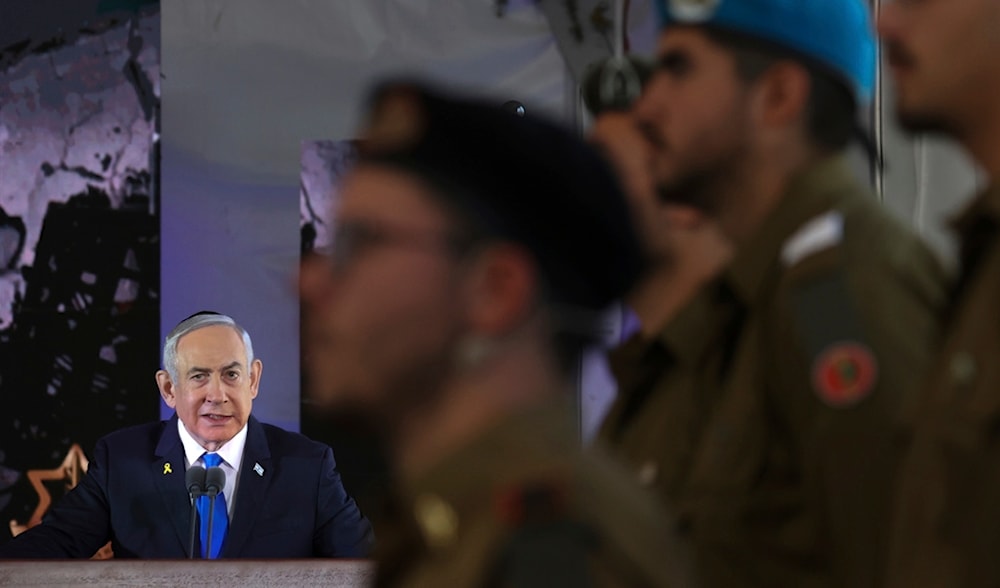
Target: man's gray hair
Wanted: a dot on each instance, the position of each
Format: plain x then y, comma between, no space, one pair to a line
193,323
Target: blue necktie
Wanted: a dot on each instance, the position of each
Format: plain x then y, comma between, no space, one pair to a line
220,522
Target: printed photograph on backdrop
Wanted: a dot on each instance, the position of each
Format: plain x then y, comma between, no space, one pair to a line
79,240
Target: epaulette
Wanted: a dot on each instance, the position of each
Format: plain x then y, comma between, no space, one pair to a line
819,234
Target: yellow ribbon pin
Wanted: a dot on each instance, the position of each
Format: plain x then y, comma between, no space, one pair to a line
166,469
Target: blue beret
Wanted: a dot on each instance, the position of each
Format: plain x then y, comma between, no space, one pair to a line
835,33
520,178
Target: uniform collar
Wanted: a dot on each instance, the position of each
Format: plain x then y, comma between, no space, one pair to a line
808,194
465,467
684,338
630,360
693,329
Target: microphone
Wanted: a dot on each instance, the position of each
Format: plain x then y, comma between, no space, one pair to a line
215,481
194,479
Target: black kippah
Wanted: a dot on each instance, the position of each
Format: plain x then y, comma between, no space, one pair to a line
200,313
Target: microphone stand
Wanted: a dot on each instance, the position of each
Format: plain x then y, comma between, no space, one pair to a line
195,478
212,492
194,522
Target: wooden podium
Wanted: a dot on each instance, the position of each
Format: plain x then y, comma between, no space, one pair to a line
244,573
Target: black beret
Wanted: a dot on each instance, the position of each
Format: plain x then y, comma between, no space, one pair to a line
520,177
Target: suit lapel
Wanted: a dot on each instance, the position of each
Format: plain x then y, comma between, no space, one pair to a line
167,470
251,488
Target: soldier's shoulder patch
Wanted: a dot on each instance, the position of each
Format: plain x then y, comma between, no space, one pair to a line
830,328
820,233
844,373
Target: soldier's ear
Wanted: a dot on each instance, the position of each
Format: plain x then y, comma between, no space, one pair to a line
166,386
500,289
782,94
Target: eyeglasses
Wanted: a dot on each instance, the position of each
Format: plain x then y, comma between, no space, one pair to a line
353,239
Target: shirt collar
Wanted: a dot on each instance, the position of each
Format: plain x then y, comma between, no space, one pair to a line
809,193
231,451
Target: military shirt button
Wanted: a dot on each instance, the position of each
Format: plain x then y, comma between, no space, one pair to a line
963,368
648,473
437,520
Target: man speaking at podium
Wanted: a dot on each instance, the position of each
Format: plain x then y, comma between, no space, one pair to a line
281,497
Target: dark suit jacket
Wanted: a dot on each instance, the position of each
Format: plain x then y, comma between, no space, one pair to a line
297,508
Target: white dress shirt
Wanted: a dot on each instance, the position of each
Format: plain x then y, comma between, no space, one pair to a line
232,457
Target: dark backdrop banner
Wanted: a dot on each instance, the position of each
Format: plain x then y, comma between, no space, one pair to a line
79,238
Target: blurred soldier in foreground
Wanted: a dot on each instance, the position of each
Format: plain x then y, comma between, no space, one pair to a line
942,55
764,410
473,254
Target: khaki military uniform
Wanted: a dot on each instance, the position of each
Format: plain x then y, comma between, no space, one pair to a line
947,527
657,417
521,506
765,412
